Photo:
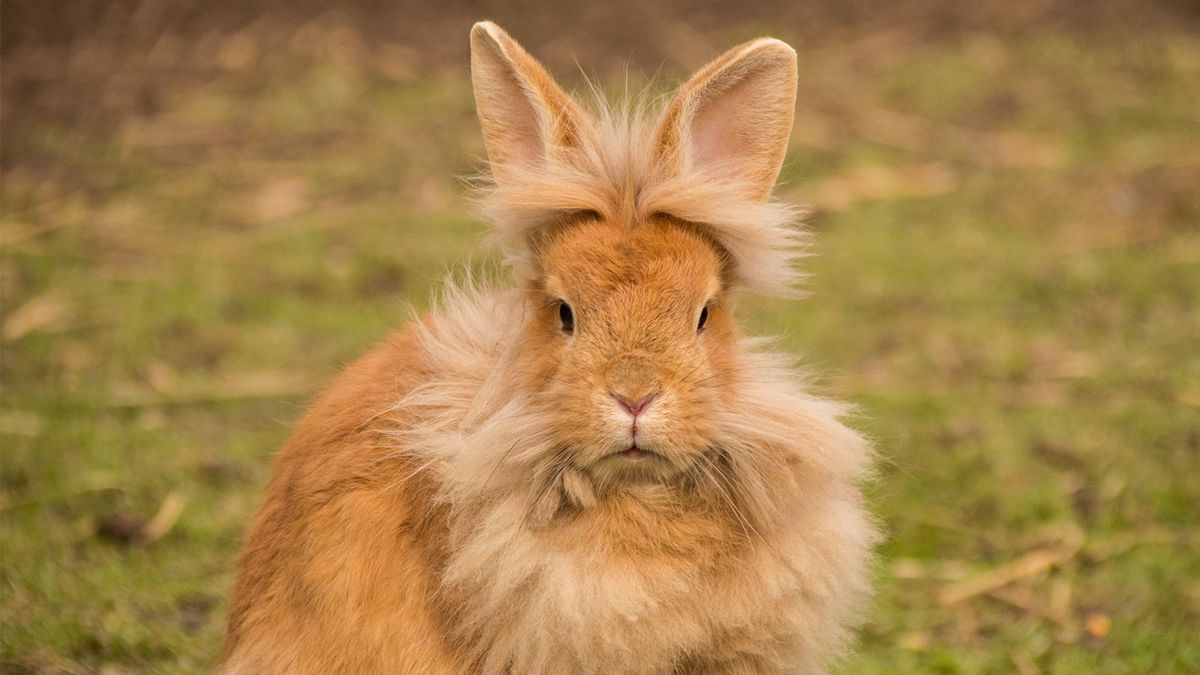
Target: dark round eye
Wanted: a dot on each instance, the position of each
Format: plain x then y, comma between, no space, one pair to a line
703,319
567,317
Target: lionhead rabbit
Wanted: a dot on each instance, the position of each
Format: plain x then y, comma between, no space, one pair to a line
592,472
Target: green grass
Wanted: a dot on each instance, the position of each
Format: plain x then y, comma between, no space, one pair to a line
1007,282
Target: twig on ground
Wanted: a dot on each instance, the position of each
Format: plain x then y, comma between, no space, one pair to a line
1031,564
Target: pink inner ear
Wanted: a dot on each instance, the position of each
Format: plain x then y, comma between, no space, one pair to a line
719,129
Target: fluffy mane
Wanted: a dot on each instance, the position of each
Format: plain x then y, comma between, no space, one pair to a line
613,169
790,475
646,581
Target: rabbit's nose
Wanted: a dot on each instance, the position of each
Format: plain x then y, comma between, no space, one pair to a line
631,382
635,408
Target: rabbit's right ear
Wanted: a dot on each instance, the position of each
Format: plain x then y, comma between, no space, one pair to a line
524,114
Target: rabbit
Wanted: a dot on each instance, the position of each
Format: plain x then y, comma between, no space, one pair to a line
591,471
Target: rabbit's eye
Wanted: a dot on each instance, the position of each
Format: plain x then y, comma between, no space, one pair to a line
567,317
703,319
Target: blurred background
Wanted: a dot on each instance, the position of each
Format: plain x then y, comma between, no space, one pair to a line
209,206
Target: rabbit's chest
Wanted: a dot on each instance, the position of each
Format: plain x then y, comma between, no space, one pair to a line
620,614
596,604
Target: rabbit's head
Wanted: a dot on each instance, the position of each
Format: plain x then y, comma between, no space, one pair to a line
630,232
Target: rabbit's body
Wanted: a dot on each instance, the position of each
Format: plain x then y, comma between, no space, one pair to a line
518,485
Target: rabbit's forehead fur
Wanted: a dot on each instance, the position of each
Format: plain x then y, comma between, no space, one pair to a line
612,275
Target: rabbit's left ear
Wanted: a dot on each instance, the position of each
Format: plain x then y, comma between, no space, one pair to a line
733,118
525,115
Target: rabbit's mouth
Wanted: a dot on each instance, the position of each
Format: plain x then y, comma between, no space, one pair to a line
635,453
635,463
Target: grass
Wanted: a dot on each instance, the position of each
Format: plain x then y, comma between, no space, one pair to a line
1007,282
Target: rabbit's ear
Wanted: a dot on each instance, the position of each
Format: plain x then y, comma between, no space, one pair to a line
524,114
733,118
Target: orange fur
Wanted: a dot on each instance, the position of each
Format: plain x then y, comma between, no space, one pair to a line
472,497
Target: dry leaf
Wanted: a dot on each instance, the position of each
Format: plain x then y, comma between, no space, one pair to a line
237,52
1190,395
914,641
280,199
1058,361
908,568
1098,625
1019,150
161,377
36,314
396,62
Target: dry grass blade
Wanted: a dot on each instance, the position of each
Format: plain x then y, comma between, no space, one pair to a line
6,506
21,423
162,522
14,235
244,387
882,183
133,530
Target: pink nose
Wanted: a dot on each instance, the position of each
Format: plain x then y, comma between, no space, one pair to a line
635,408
